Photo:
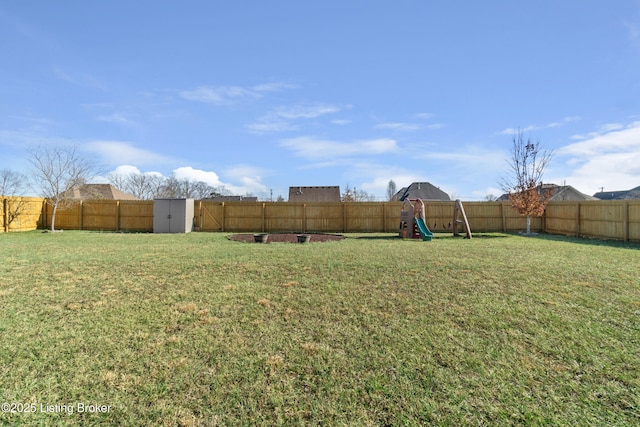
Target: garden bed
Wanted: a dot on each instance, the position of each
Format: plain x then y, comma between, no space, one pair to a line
287,237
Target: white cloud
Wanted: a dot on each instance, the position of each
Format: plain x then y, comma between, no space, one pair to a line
227,95
319,149
187,172
126,170
610,159
603,129
118,152
264,125
273,87
611,138
399,126
529,128
250,182
222,95
116,118
287,118
305,111
341,122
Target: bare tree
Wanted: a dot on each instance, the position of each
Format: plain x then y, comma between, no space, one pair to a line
144,186
355,195
147,186
391,190
57,172
527,165
13,184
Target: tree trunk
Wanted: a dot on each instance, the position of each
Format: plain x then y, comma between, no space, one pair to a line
53,216
528,224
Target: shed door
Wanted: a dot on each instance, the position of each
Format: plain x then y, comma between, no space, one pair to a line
177,216
162,216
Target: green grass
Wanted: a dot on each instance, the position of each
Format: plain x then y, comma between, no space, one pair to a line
372,330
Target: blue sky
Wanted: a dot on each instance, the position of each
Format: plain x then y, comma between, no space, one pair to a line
262,95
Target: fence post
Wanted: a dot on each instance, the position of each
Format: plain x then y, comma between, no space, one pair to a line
578,231
304,217
223,218
117,215
264,225
80,212
504,218
5,215
44,215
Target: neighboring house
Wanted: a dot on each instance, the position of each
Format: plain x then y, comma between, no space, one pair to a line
560,192
232,199
100,192
314,194
420,190
634,193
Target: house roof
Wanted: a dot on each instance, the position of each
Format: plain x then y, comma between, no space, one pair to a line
100,191
314,194
420,190
634,193
233,199
560,192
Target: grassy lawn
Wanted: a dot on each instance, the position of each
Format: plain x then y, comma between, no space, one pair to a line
372,330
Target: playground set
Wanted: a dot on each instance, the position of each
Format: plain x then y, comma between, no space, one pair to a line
413,222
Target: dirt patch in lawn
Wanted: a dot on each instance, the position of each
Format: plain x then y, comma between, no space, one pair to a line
286,238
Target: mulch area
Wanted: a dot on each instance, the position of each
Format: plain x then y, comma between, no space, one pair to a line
286,238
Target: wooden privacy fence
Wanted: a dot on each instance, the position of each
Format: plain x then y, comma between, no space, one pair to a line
20,213
618,220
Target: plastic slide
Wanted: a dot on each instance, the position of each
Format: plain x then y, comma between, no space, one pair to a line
425,233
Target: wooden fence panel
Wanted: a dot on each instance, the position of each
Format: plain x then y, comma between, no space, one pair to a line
285,217
633,220
99,215
67,217
602,220
562,218
136,215
325,217
364,217
485,216
20,213
244,217
209,215
392,216
438,215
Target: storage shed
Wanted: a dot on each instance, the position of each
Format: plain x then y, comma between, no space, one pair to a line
173,215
